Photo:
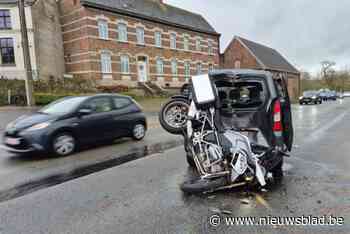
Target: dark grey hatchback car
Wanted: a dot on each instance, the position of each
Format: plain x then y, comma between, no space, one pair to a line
70,122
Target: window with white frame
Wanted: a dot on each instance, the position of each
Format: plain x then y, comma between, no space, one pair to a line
103,29
210,47
7,51
198,44
158,38
122,32
5,19
173,40
140,34
159,66
124,63
106,62
187,69
186,43
199,68
174,67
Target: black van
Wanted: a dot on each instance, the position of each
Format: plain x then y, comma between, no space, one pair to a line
254,101
249,101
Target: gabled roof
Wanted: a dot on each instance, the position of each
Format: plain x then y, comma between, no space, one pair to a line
155,11
268,58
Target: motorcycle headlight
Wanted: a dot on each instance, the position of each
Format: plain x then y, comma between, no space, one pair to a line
38,126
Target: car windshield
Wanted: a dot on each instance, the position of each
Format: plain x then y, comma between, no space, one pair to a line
309,94
62,106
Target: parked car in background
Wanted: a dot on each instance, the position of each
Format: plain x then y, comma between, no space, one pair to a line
310,97
346,94
328,95
70,122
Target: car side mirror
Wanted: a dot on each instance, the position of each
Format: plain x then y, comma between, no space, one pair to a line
83,112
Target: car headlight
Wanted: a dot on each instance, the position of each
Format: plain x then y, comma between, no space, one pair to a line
314,97
300,98
9,126
38,126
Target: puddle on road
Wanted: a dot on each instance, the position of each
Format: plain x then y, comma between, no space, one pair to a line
136,153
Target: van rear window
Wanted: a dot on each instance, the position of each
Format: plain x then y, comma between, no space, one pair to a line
245,94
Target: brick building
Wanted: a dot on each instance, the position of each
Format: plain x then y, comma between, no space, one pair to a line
44,35
133,41
242,53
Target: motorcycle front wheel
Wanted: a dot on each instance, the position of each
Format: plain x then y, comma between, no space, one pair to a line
173,115
202,186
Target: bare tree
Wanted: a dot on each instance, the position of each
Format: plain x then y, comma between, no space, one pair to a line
305,75
328,72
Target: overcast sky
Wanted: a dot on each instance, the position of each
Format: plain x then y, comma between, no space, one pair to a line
304,31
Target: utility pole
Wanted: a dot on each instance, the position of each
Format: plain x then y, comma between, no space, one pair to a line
26,55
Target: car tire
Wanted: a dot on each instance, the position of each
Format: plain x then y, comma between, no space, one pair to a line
138,131
63,144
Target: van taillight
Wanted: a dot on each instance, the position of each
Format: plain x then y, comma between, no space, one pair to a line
277,120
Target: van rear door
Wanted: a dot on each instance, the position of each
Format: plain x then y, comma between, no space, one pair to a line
287,122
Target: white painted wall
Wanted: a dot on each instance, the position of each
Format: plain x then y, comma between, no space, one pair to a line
18,70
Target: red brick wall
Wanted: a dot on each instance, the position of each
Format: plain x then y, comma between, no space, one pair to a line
82,46
293,85
237,52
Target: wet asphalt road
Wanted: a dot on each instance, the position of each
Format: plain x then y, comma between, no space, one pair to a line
143,196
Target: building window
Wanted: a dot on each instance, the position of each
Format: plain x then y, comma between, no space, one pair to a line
122,32
173,40
198,44
211,67
106,62
124,63
158,38
174,67
140,34
5,19
7,53
187,69
210,47
199,68
103,29
160,66
186,42
237,64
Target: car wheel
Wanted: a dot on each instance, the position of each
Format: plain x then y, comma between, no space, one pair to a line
138,131
63,144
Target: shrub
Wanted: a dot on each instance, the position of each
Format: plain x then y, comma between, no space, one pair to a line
113,88
42,99
75,85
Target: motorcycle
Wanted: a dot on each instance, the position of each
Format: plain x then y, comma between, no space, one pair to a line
223,156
